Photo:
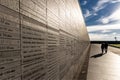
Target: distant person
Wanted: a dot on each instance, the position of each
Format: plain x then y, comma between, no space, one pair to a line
104,47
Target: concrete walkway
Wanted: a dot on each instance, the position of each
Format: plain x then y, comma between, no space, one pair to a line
104,67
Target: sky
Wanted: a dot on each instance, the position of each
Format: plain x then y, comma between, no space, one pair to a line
102,18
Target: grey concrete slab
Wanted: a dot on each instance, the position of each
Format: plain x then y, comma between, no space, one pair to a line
104,67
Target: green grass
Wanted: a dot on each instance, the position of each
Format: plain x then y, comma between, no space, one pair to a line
115,45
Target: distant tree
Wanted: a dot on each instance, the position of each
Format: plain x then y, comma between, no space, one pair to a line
115,38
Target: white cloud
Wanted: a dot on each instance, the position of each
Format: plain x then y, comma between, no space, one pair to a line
103,27
103,37
87,14
84,3
103,20
114,33
97,8
106,30
100,5
95,14
113,17
95,37
115,1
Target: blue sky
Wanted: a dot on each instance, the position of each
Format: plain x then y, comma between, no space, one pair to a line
102,18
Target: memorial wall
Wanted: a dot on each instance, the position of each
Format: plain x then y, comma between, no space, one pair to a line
41,39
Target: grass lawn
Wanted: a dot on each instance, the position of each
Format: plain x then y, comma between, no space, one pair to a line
115,45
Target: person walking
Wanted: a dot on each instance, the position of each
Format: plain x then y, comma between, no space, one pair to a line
104,47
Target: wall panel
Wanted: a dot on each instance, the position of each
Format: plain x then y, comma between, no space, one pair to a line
52,54
33,45
9,41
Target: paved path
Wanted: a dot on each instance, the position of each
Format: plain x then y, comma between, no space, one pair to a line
115,50
104,67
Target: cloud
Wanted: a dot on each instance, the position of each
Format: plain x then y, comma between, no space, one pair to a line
103,37
113,17
107,32
100,5
84,3
95,14
95,37
87,14
103,20
115,1
97,8
103,27
114,33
